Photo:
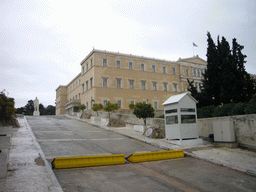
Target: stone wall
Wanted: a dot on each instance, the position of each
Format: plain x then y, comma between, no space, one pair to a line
244,125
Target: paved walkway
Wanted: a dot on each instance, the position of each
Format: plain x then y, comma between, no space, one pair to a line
28,169
235,158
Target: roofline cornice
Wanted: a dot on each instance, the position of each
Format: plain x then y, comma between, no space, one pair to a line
125,55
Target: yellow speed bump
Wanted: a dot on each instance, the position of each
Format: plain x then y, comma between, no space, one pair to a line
87,161
154,156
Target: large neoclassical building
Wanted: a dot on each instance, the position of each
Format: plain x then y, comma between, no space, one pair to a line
125,78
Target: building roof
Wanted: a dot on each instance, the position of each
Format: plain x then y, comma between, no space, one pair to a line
177,98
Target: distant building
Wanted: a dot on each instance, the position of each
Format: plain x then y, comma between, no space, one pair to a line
125,78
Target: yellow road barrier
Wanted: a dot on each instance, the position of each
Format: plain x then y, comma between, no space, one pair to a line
87,161
154,156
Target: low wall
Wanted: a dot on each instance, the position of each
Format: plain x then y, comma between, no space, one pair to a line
129,117
244,125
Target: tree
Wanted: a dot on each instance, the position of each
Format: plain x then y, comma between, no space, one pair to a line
50,110
131,106
225,79
42,109
76,108
82,107
110,107
20,110
7,109
96,107
143,110
29,108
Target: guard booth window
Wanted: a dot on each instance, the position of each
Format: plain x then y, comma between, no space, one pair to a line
185,119
172,119
171,111
187,110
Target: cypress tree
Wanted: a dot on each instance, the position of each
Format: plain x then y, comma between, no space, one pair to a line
225,79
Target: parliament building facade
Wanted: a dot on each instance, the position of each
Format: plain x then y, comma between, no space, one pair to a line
125,78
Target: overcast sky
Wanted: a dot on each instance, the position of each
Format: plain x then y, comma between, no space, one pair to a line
43,42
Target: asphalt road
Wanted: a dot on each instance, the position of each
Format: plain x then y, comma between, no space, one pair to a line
60,136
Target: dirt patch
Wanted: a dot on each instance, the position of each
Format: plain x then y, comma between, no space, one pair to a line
39,161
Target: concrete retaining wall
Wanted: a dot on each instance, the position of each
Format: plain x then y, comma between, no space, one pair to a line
244,125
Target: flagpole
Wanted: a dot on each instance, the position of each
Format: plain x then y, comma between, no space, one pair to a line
193,50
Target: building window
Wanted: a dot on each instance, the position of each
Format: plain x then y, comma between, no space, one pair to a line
154,86
91,63
83,87
86,85
131,84
144,102
105,82
91,82
175,87
118,83
164,69
79,82
194,72
119,102
198,72
104,62
165,86
143,85
132,102
153,68
155,105
174,71
83,70
118,64
87,67
187,72
130,65
87,105
142,67
105,102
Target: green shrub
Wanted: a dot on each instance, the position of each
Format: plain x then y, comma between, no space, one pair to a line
223,110
7,109
238,109
96,107
109,107
82,107
205,112
251,106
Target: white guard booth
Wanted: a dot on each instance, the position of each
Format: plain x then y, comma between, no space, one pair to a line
181,118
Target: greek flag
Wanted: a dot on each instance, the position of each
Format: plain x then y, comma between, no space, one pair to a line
194,44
